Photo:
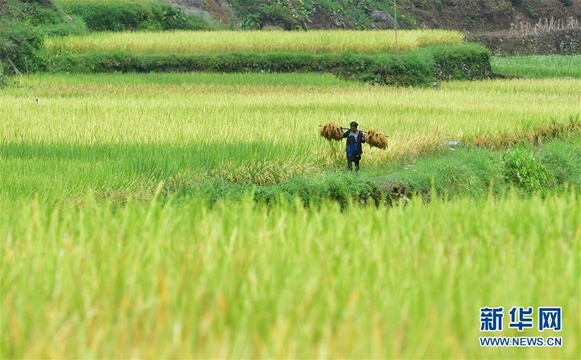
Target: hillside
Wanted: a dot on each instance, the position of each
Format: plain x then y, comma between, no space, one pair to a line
465,15
507,27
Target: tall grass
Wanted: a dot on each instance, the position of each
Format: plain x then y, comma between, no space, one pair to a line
213,42
539,66
238,280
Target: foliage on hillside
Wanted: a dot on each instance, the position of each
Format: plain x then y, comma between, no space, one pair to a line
132,15
23,25
21,33
293,14
468,15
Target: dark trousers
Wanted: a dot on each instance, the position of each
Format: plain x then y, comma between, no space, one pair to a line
354,158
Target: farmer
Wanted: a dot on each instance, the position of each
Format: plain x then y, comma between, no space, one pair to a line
354,149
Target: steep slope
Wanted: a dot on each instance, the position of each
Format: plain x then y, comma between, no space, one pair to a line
466,15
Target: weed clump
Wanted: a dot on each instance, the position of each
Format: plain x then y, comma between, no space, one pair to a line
524,170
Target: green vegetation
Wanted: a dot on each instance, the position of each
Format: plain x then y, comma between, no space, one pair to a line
124,134
290,14
371,57
239,280
41,14
457,173
523,169
198,215
415,68
341,53
132,15
539,66
476,172
224,42
24,24
19,44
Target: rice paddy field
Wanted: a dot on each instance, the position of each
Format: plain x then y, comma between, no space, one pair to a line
96,263
212,42
129,132
536,66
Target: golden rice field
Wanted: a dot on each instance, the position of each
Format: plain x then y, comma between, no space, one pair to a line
181,108
216,42
196,125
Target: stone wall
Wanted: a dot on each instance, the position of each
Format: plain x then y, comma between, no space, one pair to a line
563,42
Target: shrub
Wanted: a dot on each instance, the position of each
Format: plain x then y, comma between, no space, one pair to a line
76,26
420,67
32,12
255,14
135,15
564,161
525,171
461,62
19,44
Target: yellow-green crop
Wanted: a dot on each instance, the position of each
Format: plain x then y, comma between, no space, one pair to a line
108,130
152,277
215,42
539,66
154,280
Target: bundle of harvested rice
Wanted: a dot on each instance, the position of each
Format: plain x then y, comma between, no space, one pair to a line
332,131
376,138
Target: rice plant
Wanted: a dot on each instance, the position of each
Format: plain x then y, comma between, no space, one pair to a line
159,280
539,66
216,42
